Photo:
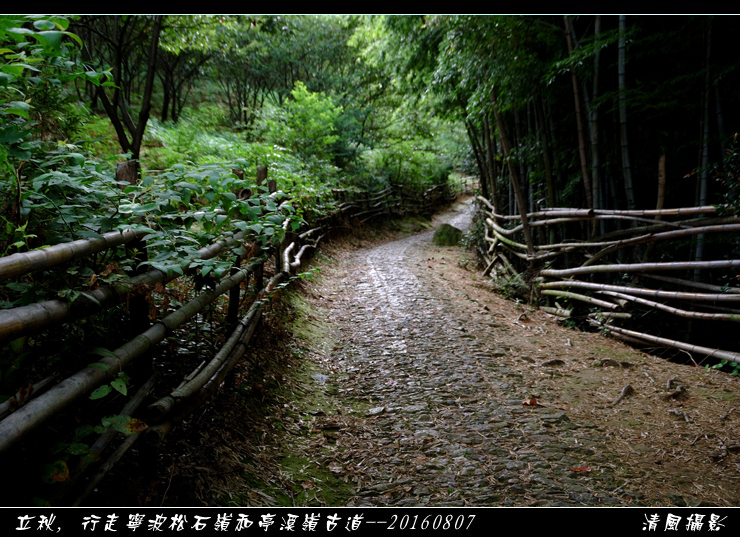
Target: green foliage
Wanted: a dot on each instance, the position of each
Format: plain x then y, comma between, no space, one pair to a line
513,288
119,384
36,67
734,367
304,125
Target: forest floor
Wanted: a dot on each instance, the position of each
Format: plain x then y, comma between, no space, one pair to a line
399,377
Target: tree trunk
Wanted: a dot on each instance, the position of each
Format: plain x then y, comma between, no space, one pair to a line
546,158
720,120
165,101
594,121
628,188
661,185
146,99
491,160
514,180
579,121
699,254
472,135
659,204
520,160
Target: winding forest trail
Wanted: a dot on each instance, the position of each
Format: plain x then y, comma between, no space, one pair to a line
414,386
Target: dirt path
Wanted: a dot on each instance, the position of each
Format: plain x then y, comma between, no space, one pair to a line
412,385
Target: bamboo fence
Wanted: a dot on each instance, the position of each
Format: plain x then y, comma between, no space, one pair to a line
34,406
643,262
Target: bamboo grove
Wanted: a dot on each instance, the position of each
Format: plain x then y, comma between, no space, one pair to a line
607,153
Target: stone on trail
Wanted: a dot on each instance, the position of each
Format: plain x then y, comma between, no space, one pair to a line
447,235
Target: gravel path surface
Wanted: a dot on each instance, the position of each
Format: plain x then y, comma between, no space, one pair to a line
444,411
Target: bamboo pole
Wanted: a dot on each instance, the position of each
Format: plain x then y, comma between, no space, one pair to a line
110,463
676,311
504,239
33,318
286,257
640,267
582,298
104,439
560,219
508,265
206,391
654,237
628,339
297,261
695,285
659,226
241,335
720,308
610,315
679,211
677,295
567,211
24,396
715,353
557,311
22,263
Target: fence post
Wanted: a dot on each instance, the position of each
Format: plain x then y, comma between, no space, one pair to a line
138,307
272,188
259,271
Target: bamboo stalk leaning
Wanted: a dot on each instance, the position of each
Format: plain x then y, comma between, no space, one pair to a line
689,283
664,342
105,439
675,311
676,295
582,298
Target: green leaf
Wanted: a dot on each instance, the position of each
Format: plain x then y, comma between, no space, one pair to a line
19,108
118,423
98,365
13,69
49,39
101,392
44,25
79,42
84,431
119,386
78,448
19,31
102,351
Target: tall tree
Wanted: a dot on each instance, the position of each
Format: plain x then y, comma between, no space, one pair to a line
116,40
626,167
579,119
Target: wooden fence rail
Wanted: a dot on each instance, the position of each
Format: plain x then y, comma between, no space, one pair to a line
618,266
39,402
